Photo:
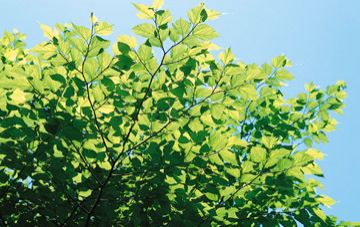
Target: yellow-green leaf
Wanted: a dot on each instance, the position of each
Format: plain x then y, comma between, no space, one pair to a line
205,32
145,30
195,125
158,4
279,61
212,14
326,200
228,156
18,96
85,193
314,153
48,31
258,154
144,11
103,28
196,14
11,54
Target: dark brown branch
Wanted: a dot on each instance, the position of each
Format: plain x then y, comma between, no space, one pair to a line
158,35
103,70
74,201
73,212
82,72
135,118
87,165
223,201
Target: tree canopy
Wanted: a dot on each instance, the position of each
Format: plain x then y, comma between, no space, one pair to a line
156,132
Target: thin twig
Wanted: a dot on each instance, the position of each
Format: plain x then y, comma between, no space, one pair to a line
89,96
135,118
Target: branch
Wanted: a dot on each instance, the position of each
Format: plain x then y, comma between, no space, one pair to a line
76,202
159,37
82,72
182,114
103,70
87,165
222,201
135,118
102,187
244,121
70,216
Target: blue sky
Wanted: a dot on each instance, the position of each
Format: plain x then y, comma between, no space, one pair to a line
321,37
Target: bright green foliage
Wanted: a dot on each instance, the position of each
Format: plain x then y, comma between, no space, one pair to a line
156,133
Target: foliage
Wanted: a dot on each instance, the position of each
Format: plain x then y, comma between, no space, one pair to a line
161,133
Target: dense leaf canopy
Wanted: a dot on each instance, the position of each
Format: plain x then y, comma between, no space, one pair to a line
157,133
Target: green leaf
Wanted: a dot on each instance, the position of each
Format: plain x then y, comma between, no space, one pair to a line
205,32
313,168
248,91
308,142
212,14
78,179
197,14
195,125
85,193
82,31
227,56
11,54
124,62
296,172
103,28
326,200
279,153
217,111
217,141
283,74
258,154
105,165
173,35
18,96
284,164
202,92
228,156
145,53
314,153
107,109
211,196
145,30
158,4
269,141
48,31
144,12
129,41
279,61
163,19
182,27
233,172
171,140
215,159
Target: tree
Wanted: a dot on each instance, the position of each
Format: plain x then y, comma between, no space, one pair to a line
161,133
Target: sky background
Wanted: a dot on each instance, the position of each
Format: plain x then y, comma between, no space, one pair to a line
321,38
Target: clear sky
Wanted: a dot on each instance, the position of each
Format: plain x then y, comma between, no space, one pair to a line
321,37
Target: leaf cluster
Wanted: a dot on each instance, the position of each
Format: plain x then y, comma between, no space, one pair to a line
157,133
